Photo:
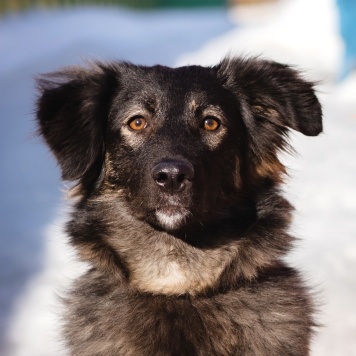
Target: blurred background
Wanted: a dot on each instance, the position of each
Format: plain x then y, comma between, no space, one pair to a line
38,36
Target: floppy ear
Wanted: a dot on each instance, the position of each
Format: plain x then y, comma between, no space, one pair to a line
271,99
72,112
277,93
274,92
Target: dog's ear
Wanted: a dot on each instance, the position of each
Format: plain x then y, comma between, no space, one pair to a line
72,112
271,98
274,92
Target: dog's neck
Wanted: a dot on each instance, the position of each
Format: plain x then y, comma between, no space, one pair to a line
161,263
174,267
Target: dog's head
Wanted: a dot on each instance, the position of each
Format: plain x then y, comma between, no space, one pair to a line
180,146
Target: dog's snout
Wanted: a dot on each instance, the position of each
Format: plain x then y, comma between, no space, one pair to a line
172,175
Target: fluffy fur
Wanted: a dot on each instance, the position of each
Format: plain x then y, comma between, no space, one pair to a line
178,207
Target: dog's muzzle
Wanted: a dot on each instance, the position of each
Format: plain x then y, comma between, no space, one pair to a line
173,177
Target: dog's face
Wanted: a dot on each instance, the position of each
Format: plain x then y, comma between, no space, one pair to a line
171,140
182,146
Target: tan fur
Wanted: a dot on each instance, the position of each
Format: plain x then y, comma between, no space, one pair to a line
272,169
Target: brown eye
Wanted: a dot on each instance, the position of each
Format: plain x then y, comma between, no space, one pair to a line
137,123
211,124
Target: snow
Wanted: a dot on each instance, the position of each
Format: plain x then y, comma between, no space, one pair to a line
35,262
301,32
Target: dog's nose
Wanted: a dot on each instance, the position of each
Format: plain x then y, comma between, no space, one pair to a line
172,175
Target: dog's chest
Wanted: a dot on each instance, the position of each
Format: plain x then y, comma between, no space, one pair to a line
161,276
173,271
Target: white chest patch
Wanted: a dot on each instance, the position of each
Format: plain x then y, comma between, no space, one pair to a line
163,277
176,275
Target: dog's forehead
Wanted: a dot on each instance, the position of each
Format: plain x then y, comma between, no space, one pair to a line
178,83
191,85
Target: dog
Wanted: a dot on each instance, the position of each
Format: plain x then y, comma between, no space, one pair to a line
177,206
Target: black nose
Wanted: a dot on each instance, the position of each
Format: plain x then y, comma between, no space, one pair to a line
172,175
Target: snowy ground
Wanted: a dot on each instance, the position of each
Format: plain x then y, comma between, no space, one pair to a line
34,261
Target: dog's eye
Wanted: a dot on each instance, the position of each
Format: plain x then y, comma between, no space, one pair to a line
137,123
211,123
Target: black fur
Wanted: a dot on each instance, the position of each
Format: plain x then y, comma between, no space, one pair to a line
181,220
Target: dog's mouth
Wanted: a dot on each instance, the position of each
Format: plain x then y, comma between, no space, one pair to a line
172,217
